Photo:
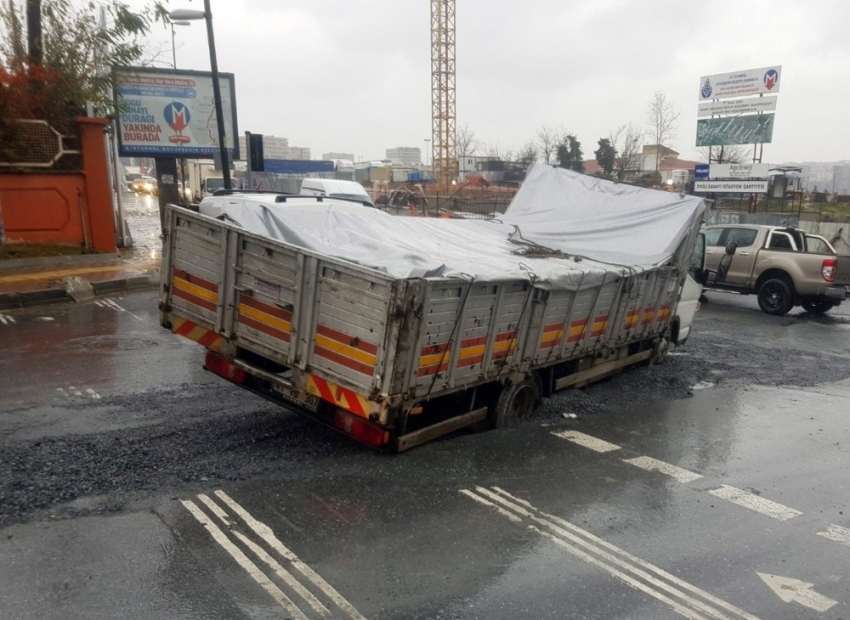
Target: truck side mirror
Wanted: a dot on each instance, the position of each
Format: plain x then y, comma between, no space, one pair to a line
731,248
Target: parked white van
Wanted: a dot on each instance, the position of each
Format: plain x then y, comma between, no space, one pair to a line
335,188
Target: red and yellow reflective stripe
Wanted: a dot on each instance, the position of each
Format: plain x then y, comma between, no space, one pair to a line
195,290
552,335
664,312
600,324
577,329
648,315
266,318
201,335
632,319
339,396
351,352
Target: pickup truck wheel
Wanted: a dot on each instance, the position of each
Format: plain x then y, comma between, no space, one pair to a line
516,402
775,297
818,306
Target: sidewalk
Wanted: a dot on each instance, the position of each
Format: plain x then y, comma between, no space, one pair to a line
35,281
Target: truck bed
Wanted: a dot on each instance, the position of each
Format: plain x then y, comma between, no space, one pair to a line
328,332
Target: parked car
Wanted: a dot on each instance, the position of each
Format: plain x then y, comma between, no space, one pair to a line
778,265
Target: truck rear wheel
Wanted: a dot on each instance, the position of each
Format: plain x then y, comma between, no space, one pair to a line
516,402
775,297
818,305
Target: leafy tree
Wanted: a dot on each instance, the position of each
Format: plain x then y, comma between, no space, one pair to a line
569,154
78,47
606,155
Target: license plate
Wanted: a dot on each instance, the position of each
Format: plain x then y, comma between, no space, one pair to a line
302,399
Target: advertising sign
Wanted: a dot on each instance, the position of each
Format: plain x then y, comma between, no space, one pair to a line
701,172
731,187
739,171
735,130
752,105
740,83
168,113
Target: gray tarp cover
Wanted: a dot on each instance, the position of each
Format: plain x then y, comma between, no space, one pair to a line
612,227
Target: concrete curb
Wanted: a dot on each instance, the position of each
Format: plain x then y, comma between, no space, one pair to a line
9,301
78,260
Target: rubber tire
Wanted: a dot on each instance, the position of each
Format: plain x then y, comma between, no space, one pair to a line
818,305
516,402
775,297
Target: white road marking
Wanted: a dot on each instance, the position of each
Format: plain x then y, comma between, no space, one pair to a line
650,464
243,561
114,305
692,602
756,503
836,533
279,570
793,590
92,393
487,502
266,533
7,320
587,441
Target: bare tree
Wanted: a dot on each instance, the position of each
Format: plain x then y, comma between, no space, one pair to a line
499,151
661,121
726,154
527,155
466,143
627,140
547,143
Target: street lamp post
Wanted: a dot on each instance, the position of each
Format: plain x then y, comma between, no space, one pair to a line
427,144
173,46
206,14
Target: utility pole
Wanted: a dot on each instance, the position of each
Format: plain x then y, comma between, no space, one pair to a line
34,31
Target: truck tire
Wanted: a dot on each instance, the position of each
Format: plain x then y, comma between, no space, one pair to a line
516,402
775,297
818,305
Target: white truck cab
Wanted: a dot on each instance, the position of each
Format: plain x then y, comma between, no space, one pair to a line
335,188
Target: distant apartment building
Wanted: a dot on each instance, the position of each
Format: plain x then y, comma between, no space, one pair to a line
342,156
840,180
277,148
405,156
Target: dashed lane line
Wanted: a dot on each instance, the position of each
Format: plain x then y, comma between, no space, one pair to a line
756,503
837,533
587,441
650,464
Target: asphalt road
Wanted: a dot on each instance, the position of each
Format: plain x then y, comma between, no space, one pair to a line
135,485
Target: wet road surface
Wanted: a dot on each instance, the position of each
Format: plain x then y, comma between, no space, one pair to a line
135,485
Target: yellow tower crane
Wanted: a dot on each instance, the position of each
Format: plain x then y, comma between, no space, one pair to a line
443,115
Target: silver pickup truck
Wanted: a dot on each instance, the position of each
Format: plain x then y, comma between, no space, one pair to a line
785,267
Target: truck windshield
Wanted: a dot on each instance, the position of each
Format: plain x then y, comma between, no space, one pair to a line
360,197
214,183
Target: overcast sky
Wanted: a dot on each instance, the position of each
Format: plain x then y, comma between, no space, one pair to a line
354,75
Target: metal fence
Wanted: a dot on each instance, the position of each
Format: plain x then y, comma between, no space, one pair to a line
35,144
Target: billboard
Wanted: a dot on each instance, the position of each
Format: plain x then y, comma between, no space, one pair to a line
739,171
731,187
753,105
171,113
740,83
735,130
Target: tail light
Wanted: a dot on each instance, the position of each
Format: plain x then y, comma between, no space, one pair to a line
361,429
827,269
220,366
